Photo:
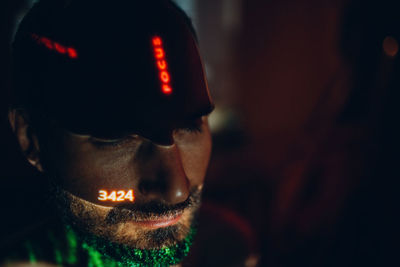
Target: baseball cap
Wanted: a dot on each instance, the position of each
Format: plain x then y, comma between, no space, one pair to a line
107,68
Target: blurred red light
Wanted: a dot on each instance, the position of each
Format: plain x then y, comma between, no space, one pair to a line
60,49
157,41
164,77
51,45
47,42
166,89
390,46
161,63
159,53
72,52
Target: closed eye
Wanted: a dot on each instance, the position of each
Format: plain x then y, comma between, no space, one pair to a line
192,126
114,142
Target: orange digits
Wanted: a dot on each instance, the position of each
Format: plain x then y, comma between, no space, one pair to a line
116,196
121,195
103,195
129,195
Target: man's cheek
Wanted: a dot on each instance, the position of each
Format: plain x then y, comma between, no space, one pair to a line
103,184
195,165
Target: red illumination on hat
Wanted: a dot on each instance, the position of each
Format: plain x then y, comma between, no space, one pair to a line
166,89
47,42
159,53
164,77
60,49
161,63
72,52
157,41
54,46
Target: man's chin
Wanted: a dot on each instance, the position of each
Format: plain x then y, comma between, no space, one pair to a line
147,236
139,246
165,255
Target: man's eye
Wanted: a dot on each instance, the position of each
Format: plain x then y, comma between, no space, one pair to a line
193,129
100,142
193,126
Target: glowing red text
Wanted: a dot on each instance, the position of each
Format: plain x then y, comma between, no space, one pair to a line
51,45
161,63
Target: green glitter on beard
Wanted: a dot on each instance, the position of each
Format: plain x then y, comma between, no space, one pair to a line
105,253
102,252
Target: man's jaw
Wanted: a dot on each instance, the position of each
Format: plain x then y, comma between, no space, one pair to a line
150,226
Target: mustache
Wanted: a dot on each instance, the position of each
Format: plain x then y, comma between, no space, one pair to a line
152,210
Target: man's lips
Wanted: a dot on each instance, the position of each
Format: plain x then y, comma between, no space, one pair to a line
160,222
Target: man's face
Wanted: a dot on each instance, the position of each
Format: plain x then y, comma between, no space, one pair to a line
143,76
166,181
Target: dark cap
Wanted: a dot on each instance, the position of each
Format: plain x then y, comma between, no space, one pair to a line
107,67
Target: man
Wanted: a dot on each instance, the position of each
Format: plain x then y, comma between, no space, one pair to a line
111,107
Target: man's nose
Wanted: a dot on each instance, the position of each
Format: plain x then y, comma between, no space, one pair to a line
161,174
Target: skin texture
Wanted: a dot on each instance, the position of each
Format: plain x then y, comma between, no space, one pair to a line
163,173
166,179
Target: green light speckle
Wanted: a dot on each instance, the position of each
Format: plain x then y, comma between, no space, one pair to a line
165,256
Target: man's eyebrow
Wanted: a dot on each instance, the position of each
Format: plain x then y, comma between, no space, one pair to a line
202,112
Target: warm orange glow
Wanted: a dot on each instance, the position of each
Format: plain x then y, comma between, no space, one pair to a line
116,196
162,64
164,77
159,54
166,89
390,46
157,41
51,45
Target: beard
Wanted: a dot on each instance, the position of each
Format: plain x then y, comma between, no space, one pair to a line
113,232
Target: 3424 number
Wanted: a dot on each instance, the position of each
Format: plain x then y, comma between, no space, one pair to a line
116,196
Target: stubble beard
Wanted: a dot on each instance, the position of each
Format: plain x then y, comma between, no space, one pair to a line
117,224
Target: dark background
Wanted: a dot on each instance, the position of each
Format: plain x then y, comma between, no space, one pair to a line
305,161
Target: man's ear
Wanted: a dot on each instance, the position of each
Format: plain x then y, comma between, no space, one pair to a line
26,138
